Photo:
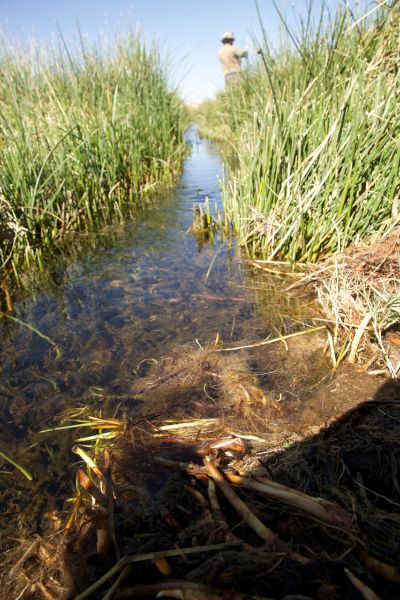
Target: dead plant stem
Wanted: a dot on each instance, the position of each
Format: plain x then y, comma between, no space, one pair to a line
128,559
278,339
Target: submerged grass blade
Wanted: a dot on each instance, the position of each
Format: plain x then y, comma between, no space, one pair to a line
35,330
274,340
89,424
15,464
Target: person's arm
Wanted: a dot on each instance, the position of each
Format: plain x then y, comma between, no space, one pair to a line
241,52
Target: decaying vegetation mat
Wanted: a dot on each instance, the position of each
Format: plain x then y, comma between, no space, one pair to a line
358,292
219,488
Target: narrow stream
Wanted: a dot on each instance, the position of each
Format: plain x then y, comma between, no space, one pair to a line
117,298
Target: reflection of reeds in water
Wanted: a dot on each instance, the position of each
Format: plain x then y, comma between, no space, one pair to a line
84,132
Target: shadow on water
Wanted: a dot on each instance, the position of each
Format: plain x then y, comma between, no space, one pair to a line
352,463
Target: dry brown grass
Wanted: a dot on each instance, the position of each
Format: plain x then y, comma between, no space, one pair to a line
359,291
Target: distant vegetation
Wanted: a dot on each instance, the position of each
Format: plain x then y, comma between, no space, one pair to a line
83,135
316,130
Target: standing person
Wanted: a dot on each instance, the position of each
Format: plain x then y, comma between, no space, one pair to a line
230,57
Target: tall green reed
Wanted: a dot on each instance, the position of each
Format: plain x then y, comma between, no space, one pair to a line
84,133
316,128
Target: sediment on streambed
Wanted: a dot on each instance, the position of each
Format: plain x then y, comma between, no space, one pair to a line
218,488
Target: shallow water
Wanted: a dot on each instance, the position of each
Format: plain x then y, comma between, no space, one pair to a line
111,301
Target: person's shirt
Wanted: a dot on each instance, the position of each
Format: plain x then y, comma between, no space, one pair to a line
229,57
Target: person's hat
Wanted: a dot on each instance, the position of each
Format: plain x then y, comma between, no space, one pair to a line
228,35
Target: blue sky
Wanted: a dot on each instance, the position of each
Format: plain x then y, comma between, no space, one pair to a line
188,31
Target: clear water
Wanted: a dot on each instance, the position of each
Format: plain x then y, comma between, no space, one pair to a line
111,300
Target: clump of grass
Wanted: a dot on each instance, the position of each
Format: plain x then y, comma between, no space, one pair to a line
316,130
359,293
84,133
355,303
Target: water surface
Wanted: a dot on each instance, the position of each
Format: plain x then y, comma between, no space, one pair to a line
115,299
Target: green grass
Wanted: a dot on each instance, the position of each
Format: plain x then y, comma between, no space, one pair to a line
316,130
84,134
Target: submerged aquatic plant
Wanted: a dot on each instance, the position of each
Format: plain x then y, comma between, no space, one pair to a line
84,133
15,464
